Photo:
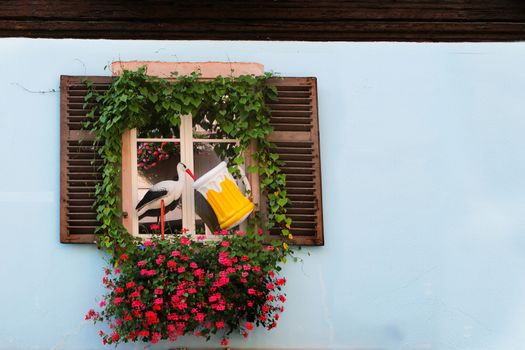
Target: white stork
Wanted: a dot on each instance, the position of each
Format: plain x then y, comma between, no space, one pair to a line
170,191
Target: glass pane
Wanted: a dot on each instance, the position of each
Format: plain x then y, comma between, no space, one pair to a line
206,130
158,128
156,162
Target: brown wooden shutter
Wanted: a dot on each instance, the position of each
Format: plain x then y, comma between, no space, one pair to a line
296,135
79,162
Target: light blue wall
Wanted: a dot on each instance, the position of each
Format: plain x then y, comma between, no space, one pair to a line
423,180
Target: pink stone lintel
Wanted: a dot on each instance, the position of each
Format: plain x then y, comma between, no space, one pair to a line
208,70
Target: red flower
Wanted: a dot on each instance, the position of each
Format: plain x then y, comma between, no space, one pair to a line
225,243
158,291
185,241
144,333
130,284
249,326
117,300
224,342
152,317
282,298
219,324
115,337
123,257
280,281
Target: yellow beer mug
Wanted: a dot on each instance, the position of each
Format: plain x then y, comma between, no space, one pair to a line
226,199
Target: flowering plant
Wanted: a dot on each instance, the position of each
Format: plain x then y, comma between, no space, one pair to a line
149,154
168,288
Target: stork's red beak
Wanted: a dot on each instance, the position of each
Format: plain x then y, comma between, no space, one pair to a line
190,174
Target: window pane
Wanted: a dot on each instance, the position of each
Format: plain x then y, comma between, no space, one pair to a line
156,162
157,129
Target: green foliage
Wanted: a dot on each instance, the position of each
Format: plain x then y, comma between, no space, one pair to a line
230,107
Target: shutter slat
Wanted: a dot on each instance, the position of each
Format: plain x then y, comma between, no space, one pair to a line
296,137
80,162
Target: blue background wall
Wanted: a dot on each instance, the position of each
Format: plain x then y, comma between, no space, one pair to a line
423,180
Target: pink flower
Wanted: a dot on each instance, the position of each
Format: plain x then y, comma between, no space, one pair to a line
158,291
160,259
199,317
244,258
185,241
148,244
136,304
225,243
102,303
154,227
270,286
251,291
141,263
219,324
175,253
117,300
193,265
158,301
181,269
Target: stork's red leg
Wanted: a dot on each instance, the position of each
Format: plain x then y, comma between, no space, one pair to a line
162,219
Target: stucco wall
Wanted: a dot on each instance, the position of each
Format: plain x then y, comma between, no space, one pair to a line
423,188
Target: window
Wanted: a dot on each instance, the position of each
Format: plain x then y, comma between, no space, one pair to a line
296,136
153,156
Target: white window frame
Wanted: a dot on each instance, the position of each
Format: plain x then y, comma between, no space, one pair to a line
187,143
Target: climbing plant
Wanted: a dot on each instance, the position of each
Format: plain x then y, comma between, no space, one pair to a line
161,289
230,107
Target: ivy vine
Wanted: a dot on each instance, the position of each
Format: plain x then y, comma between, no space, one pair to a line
230,107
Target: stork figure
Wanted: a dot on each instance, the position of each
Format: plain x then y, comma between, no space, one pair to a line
170,191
